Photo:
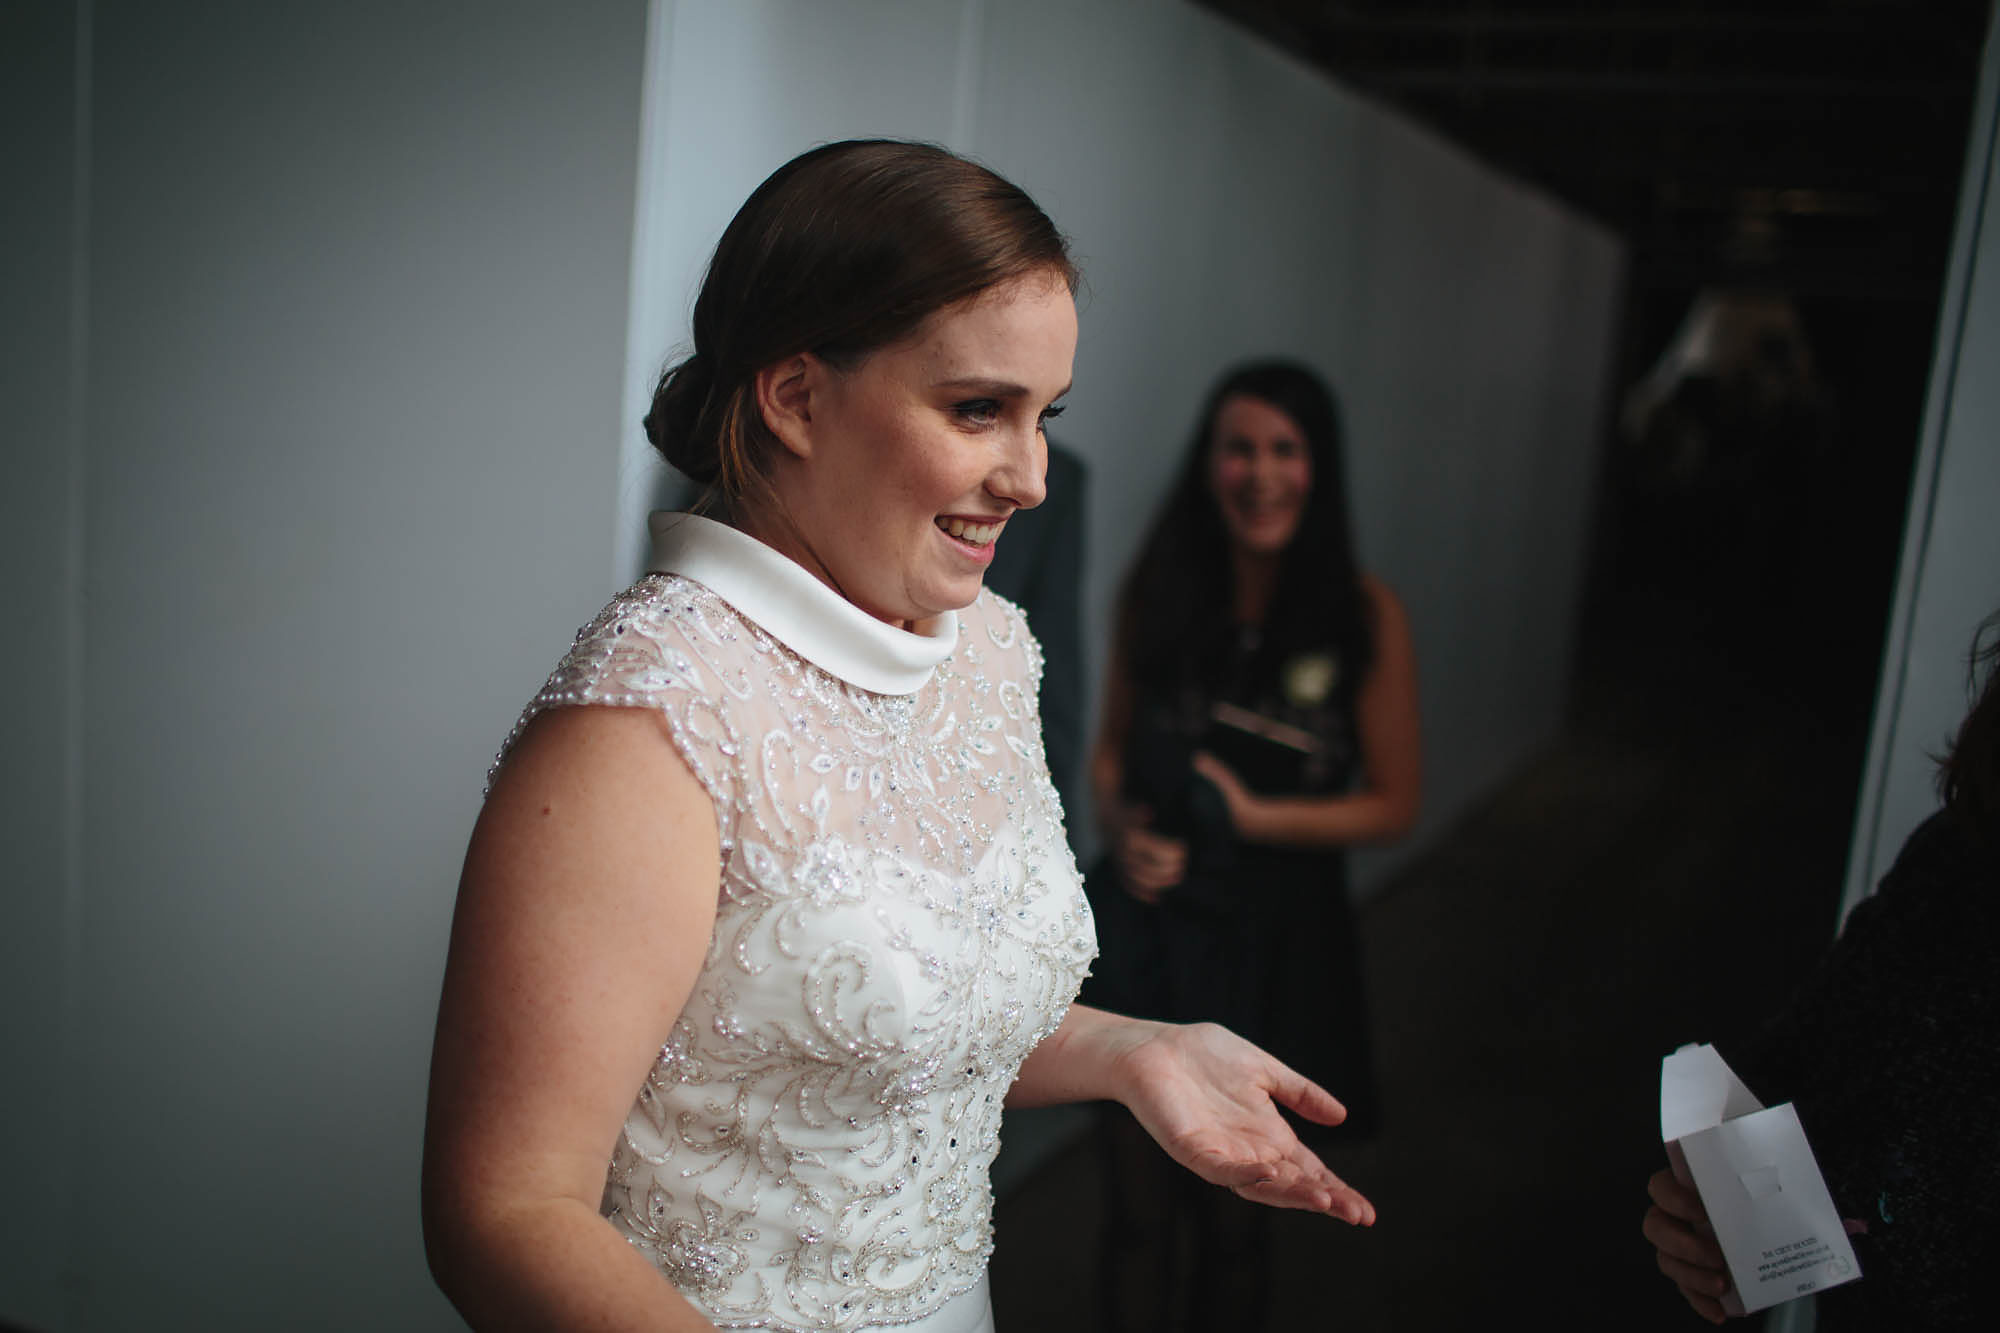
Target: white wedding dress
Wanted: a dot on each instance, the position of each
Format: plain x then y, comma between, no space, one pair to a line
899,923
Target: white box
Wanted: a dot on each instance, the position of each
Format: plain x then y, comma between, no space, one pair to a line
1766,1198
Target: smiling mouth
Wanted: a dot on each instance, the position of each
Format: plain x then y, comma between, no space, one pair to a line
976,534
1263,509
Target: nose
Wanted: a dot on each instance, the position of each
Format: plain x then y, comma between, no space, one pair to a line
1020,475
1271,473
1263,467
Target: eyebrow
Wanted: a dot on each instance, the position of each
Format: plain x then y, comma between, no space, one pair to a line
993,388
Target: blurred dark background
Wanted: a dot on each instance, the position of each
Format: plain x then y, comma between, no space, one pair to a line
1786,177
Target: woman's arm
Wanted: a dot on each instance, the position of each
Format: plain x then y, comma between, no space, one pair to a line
583,915
1385,804
1209,1097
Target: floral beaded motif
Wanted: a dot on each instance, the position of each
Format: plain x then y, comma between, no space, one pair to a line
899,922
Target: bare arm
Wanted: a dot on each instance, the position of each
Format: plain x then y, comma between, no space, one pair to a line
583,914
1209,1098
1385,804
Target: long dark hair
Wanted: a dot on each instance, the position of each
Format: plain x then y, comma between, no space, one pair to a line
1969,776
1176,607
843,250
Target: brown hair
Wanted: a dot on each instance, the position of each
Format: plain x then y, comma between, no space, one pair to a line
1969,776
845,249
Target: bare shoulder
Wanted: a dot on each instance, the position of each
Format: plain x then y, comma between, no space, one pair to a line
1387,606
619,761
587,800
591,749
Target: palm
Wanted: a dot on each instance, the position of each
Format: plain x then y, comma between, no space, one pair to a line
1211,1100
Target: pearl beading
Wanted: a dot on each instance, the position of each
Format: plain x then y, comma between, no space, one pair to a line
899,922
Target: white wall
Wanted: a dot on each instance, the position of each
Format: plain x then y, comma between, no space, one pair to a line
1225,202
317,386
1949,578
356,310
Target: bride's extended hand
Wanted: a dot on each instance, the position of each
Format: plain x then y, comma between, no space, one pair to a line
1211,1100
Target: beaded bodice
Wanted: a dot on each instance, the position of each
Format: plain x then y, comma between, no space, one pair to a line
899,922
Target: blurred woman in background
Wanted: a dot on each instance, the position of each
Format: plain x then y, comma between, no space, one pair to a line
1260,718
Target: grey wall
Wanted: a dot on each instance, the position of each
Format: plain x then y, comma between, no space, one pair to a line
321,391
356,307
1225,202
38,328
1949,578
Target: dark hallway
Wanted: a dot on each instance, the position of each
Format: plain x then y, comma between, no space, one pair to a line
1670,866
1665,872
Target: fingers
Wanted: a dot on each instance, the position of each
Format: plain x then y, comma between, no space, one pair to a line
1675,1198
1677,1226
1148,881
1710,1310
1347,1203
1221,774
1279,1173
1699,1288
1155,847
1693,1278
1150,863
1313,1189
1673,1237
1301,1094
1151,876
1237,797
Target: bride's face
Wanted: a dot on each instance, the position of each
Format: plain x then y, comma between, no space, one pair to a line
902,472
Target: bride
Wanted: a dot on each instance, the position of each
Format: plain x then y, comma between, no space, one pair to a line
769,910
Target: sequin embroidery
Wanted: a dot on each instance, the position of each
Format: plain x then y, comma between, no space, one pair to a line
899,922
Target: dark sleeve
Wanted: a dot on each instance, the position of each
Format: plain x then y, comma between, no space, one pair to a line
1891,1054
1055,615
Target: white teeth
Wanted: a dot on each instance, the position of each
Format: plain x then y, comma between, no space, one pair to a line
977,533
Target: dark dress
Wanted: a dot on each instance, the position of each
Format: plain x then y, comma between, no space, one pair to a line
1892,1056
1259,939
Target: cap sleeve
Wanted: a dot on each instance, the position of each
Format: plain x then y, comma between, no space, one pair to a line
666,645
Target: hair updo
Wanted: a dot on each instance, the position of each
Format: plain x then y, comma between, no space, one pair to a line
845,249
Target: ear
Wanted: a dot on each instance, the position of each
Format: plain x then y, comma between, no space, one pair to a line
784,392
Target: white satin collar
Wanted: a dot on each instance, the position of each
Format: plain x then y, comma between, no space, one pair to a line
796,609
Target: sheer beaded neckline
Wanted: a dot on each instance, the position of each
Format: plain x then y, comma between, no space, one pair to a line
796,609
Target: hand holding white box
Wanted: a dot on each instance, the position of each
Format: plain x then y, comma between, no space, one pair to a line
1766,1198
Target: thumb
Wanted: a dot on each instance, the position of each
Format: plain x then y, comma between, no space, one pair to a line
1308,1098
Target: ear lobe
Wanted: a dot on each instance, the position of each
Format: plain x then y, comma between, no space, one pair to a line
784,392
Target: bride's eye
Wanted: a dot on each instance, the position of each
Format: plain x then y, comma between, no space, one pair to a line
977,411
1050,413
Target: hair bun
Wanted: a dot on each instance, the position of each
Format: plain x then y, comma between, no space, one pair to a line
674,423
